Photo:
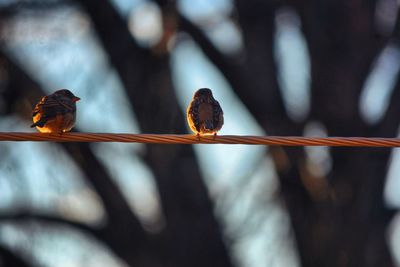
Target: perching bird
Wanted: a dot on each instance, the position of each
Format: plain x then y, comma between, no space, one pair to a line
204,114
55,113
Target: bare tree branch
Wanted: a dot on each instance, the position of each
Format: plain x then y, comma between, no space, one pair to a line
106,235
27,216
14,8
9,258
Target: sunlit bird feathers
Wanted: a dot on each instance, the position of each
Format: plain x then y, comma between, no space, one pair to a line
55,112
204,114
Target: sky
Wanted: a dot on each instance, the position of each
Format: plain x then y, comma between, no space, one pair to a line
243,185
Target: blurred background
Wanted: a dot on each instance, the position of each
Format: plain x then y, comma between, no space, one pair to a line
278,67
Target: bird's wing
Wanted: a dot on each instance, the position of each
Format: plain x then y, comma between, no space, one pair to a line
193,113
39,106
48,107
66,105
218,114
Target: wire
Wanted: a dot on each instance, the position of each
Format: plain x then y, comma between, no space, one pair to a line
192,139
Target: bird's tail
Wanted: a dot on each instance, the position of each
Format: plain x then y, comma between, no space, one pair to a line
39,123
209,125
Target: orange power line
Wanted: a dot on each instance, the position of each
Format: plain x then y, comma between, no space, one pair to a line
192,139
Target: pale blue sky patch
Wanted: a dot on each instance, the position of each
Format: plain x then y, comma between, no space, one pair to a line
379,84
249,198
226,36
205,9
7,190
126,6
392,185
272,244
145,24
134,179
261,226
293,64
60,251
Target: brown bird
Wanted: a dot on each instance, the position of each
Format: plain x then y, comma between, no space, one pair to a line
204,114
55,113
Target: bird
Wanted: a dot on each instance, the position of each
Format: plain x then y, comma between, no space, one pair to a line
55,113
204,114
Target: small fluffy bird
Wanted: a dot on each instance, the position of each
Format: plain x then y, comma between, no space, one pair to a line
55,113
204,114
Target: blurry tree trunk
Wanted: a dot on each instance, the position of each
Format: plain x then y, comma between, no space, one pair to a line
9,258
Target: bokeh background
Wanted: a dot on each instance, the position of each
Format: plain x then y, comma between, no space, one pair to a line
278,67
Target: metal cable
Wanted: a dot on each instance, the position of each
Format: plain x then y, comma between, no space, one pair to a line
192,139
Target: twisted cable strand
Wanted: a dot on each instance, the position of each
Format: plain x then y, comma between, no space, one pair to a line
192,139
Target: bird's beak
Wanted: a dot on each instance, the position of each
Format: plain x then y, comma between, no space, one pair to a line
75,99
